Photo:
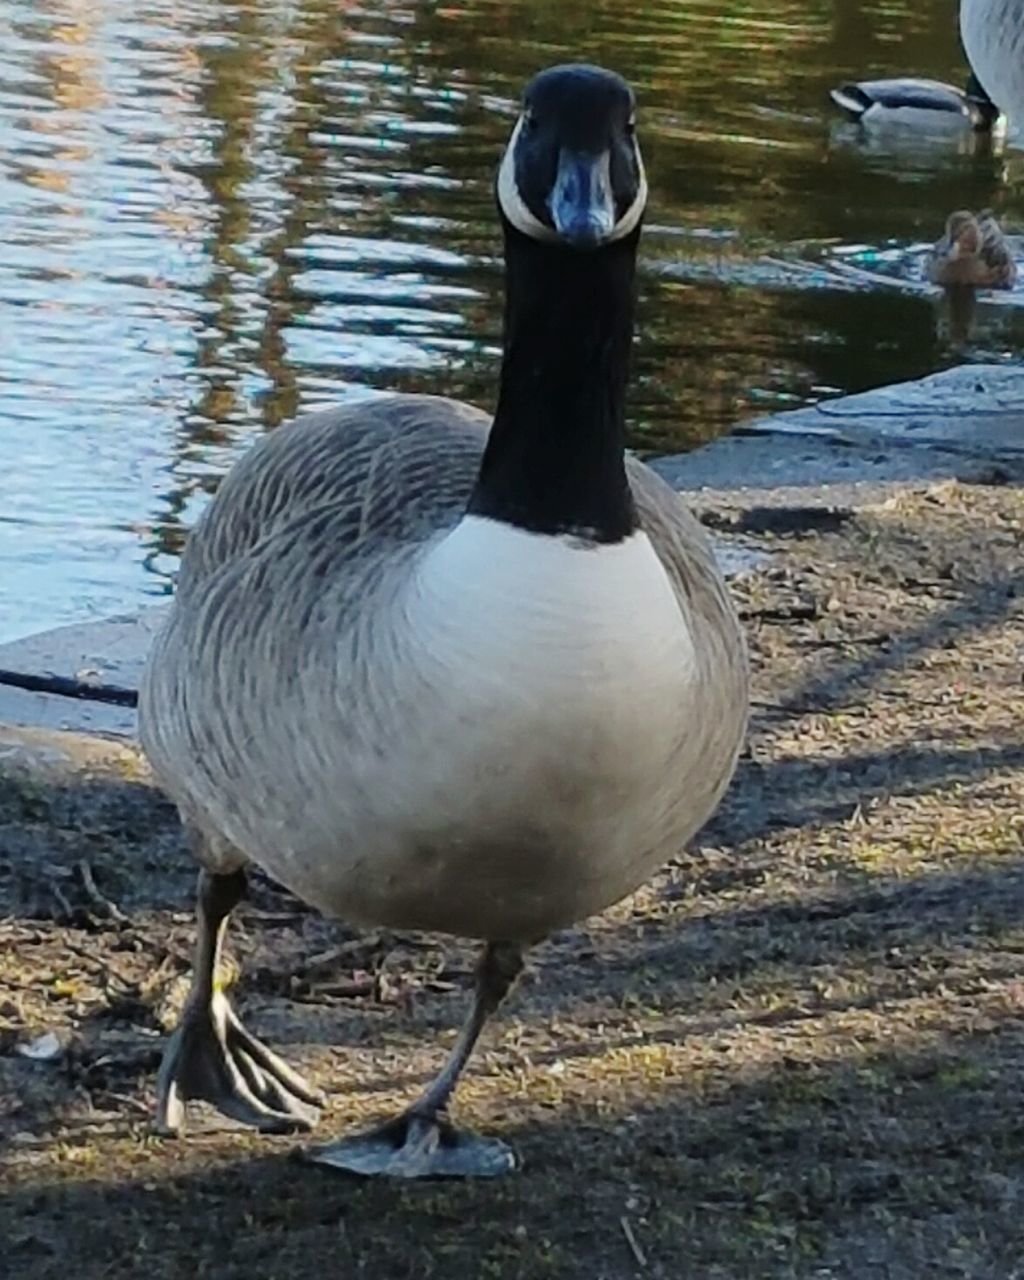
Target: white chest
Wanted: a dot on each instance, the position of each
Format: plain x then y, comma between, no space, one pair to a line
526,745
549,698
550,624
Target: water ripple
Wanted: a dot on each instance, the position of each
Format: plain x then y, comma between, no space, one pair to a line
215,213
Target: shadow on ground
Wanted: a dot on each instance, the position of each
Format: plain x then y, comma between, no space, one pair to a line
899,1164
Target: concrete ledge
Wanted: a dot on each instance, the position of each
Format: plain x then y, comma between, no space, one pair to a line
974,411
93,655
50,711
110,652
965,424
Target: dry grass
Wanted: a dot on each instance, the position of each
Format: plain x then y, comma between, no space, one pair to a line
797,1053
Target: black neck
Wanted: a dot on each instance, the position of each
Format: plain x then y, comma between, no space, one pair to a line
554,461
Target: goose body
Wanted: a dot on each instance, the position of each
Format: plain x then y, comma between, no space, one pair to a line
972,252
992,32
424,719
917,104
431,671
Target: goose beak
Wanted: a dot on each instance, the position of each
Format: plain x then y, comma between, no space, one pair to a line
581,202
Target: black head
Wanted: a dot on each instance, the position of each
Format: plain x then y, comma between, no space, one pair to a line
572,171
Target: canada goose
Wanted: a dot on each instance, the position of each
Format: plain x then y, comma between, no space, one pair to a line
992,32
431,677
972,252
924,105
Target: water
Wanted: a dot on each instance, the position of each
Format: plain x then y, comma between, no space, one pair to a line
215,214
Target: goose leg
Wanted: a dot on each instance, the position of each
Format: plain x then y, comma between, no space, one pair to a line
422,1142
211,1056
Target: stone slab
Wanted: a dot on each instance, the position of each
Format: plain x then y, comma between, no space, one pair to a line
974,410
27,709
965,423
788,469
109,652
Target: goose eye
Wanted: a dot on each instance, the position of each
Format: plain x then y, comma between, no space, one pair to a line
529,121
631,124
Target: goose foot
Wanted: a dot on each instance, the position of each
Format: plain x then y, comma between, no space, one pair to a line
213,1058
422,1142
414,1145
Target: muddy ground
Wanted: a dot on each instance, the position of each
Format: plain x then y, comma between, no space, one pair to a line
799,1052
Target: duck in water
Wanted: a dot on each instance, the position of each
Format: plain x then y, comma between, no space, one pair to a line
972,254
972,251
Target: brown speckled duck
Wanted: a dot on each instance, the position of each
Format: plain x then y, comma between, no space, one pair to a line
431,671
972,252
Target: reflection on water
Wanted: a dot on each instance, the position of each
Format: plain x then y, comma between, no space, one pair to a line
214,214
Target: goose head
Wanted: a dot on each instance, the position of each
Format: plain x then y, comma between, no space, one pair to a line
572,173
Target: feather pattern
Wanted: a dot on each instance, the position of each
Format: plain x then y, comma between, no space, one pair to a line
389,773
992,32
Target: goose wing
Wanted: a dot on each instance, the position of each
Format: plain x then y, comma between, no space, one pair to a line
394,468
688,557
686,553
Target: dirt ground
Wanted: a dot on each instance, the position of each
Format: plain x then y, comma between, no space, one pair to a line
798,1053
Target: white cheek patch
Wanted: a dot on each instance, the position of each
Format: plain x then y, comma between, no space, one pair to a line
512,203
636,210
522,218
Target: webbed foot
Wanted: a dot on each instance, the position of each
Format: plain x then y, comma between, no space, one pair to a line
212,1057
422,1142
416,1145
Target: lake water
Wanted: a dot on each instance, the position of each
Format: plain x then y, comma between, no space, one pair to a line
215,214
